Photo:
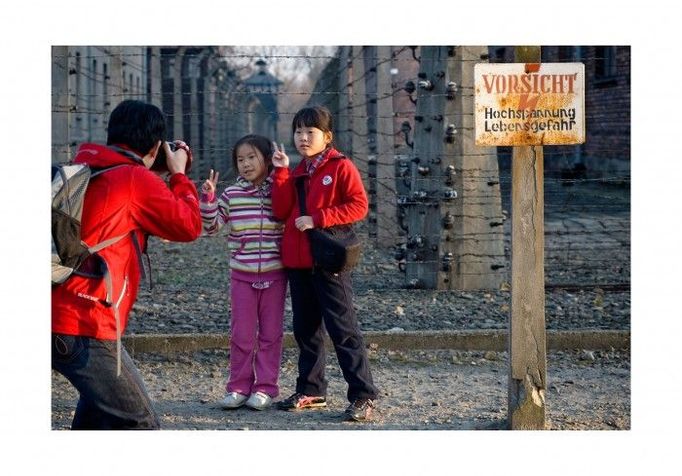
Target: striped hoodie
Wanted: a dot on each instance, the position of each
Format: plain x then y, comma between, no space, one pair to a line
254,235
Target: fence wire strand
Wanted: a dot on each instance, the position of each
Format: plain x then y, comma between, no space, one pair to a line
574,244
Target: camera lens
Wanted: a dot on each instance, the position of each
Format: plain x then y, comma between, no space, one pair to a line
160,161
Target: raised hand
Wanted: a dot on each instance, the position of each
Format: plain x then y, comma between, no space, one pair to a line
279,157
209,186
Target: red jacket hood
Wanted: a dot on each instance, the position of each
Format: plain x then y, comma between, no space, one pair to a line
97,155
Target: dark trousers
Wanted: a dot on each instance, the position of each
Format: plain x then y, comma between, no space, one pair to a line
107,401
324,300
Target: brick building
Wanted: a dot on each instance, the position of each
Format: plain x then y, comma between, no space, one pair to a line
606,151
204,101
87,83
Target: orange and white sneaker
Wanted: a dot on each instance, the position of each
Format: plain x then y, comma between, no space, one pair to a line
299,401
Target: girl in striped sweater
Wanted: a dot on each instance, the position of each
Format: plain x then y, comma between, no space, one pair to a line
257,279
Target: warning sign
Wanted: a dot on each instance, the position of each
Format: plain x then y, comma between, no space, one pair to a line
529,104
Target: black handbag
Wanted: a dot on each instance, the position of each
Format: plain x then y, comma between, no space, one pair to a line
335,249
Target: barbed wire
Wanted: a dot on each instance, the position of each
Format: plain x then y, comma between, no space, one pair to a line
216,55
613,237
246,90
372,70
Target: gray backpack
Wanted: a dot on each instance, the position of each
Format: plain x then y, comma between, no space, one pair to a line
69,183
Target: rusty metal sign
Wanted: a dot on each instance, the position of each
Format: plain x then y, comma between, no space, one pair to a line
529,103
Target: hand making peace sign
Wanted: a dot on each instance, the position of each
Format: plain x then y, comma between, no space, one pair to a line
209,186
279,157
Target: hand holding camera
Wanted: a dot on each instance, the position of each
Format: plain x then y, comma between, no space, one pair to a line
173,157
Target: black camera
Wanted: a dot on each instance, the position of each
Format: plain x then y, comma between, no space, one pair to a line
160,163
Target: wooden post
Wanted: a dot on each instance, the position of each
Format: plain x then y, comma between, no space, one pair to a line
386,211
527,337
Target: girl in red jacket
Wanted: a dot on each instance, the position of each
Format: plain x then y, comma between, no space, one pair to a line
334,196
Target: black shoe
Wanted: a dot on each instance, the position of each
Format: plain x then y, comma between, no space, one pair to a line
298,401
360,410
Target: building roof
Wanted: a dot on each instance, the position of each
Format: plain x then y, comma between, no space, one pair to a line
262,77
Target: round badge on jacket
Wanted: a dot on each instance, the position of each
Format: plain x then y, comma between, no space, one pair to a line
326,180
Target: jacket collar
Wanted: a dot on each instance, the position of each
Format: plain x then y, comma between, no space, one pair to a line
300,170
97,155
247,185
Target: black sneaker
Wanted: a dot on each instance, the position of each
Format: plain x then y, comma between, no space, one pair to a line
360,410
298,401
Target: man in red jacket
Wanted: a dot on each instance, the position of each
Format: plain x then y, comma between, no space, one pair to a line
133,201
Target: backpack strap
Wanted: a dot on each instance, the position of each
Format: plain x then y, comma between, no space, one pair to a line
93,250
95,171
140,253
117,317
103,244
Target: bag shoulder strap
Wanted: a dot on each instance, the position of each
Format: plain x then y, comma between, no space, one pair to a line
300,186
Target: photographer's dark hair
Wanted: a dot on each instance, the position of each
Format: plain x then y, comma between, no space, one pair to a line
260,143
316,116
136,124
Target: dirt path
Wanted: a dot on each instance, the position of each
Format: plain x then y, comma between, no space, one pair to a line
421,390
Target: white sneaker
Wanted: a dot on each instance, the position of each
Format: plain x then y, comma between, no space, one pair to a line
259,401
233,400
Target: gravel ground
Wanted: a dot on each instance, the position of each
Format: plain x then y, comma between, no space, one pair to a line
191,288
587,242
443,389
420,390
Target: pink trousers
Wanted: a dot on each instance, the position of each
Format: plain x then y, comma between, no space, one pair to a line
256,337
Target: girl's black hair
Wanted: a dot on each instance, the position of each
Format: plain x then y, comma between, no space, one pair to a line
260,143
316,116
